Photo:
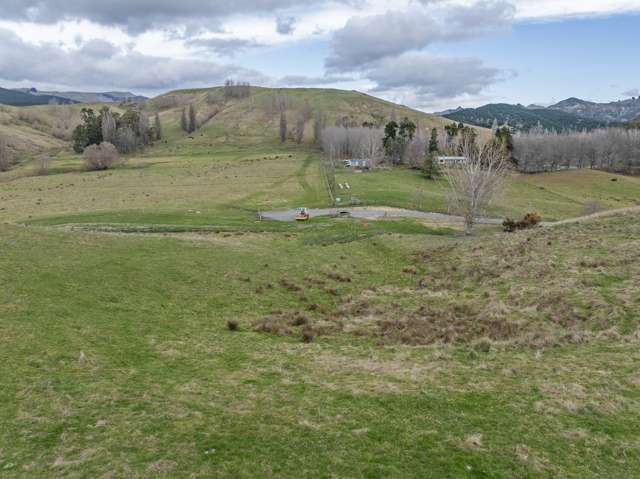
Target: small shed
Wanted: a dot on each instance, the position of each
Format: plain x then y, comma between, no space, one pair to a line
357,163
451,160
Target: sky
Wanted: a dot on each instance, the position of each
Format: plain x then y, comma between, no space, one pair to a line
428,54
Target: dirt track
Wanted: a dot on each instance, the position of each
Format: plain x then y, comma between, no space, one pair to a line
378,212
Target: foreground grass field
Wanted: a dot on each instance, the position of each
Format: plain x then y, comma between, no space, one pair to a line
427,354
116,359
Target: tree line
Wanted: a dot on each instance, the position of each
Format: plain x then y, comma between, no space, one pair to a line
402,143
473,184
236,90
302,116
128,132
611,149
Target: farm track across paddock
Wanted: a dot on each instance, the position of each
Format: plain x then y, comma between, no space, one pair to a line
390,213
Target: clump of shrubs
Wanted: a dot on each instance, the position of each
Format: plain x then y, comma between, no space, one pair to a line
483,345
233,325
100,157
289,285
530,220
308,335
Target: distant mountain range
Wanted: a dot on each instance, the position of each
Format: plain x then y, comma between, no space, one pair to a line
31,96
569,114
613,112
20,98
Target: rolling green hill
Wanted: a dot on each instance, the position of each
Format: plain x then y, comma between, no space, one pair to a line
36,129
255,119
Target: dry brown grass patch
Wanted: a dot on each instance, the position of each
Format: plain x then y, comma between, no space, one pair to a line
290,285
338,277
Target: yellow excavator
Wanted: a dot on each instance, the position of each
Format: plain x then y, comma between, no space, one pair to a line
302,214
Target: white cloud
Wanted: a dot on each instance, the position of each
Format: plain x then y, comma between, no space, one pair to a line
432,76
369,40
100,64
365,39
548,9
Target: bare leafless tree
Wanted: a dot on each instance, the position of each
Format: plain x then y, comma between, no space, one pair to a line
415,151
5,158
157,128
474,183
306,111
236,90
42,163
126,141
339,143
369,141
193,122
319,123
613,149
108,126
184,122
283,127
143,129
281,102
300,124
100,157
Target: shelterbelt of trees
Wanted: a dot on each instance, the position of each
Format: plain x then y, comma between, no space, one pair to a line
611,149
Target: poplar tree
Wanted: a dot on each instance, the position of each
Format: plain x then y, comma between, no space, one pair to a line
184,123
283,127
108,126
193,124
158,127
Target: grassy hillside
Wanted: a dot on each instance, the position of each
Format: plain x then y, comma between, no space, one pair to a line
36,129
255,120
30,130
116,359
242,122
234,166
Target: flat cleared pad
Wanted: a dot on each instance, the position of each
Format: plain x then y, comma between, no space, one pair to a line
374,214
